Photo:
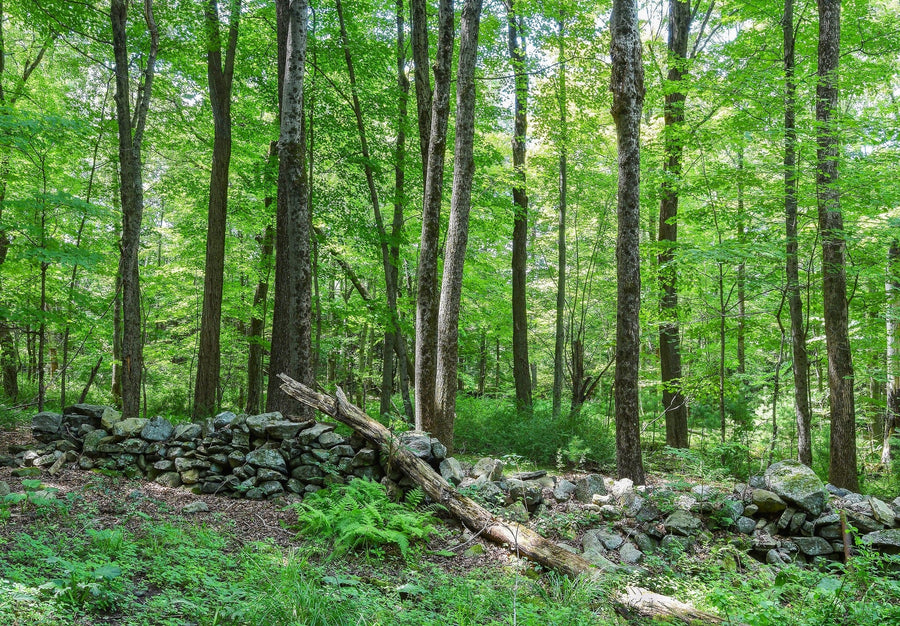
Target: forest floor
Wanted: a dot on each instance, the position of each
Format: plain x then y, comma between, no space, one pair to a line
94,548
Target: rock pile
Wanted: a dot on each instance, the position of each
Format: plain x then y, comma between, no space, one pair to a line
258,456
786,516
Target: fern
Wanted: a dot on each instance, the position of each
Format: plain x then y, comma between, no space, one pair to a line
360,516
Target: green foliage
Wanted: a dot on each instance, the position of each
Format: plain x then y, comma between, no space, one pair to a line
359,515
490,427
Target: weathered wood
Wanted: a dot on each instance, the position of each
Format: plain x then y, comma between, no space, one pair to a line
633,602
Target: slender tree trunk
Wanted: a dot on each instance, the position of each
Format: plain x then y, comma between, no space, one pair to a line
521,373
627,86
560,337
256,331
674,402
292,323
458,228
741,271
800,357
131,191
419,36
842,468
220,82
892,414
426,275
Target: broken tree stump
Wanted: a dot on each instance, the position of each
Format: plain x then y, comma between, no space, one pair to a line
634,602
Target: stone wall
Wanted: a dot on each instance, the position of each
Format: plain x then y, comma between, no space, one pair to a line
258,456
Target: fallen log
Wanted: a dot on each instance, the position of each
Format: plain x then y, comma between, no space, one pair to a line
633,603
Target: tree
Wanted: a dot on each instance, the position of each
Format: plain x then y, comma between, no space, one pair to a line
458,229
627,86
673,399
892,412
292,322
559,347
842,466
131,135
221,77
521,369
427,302
800,363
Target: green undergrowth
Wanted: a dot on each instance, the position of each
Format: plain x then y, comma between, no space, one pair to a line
69,565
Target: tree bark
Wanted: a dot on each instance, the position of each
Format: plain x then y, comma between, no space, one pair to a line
419,37
426,275
458,228
559,348
292,323
800,358
674,402
256,330
521,373
220,77
842,468
627,86
634,601
131,134
892,413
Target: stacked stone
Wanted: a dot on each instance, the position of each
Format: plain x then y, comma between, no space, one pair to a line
257,457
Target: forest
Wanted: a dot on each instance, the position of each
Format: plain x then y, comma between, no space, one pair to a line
611,236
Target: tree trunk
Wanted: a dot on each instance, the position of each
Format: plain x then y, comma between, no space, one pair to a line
220,80
458,228
559,348
132,196
892,414
842,467
627,86
674,402
521,373
292,323
426,275
800,363
634,601
419,37
256,330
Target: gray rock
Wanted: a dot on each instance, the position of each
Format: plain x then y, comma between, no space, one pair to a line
305,473
258,423
763,541
882,512
342,450
451,471
629,553
563,490
646,543
366,456
308,435
267,457
671,543
621,489
682,523
92,440
109,417
169,479
157,429
134,446
599,561
768,501
838,492
223,419
283,429
813,546
270,488
798,484
757,482
46,423
329,439
785,520
732,509
92,411
797,522
586,487
199,506
187,432
746,525
863,523
264,474
702,492
491,469
417,442
887,541
596,538
128,428
438,450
